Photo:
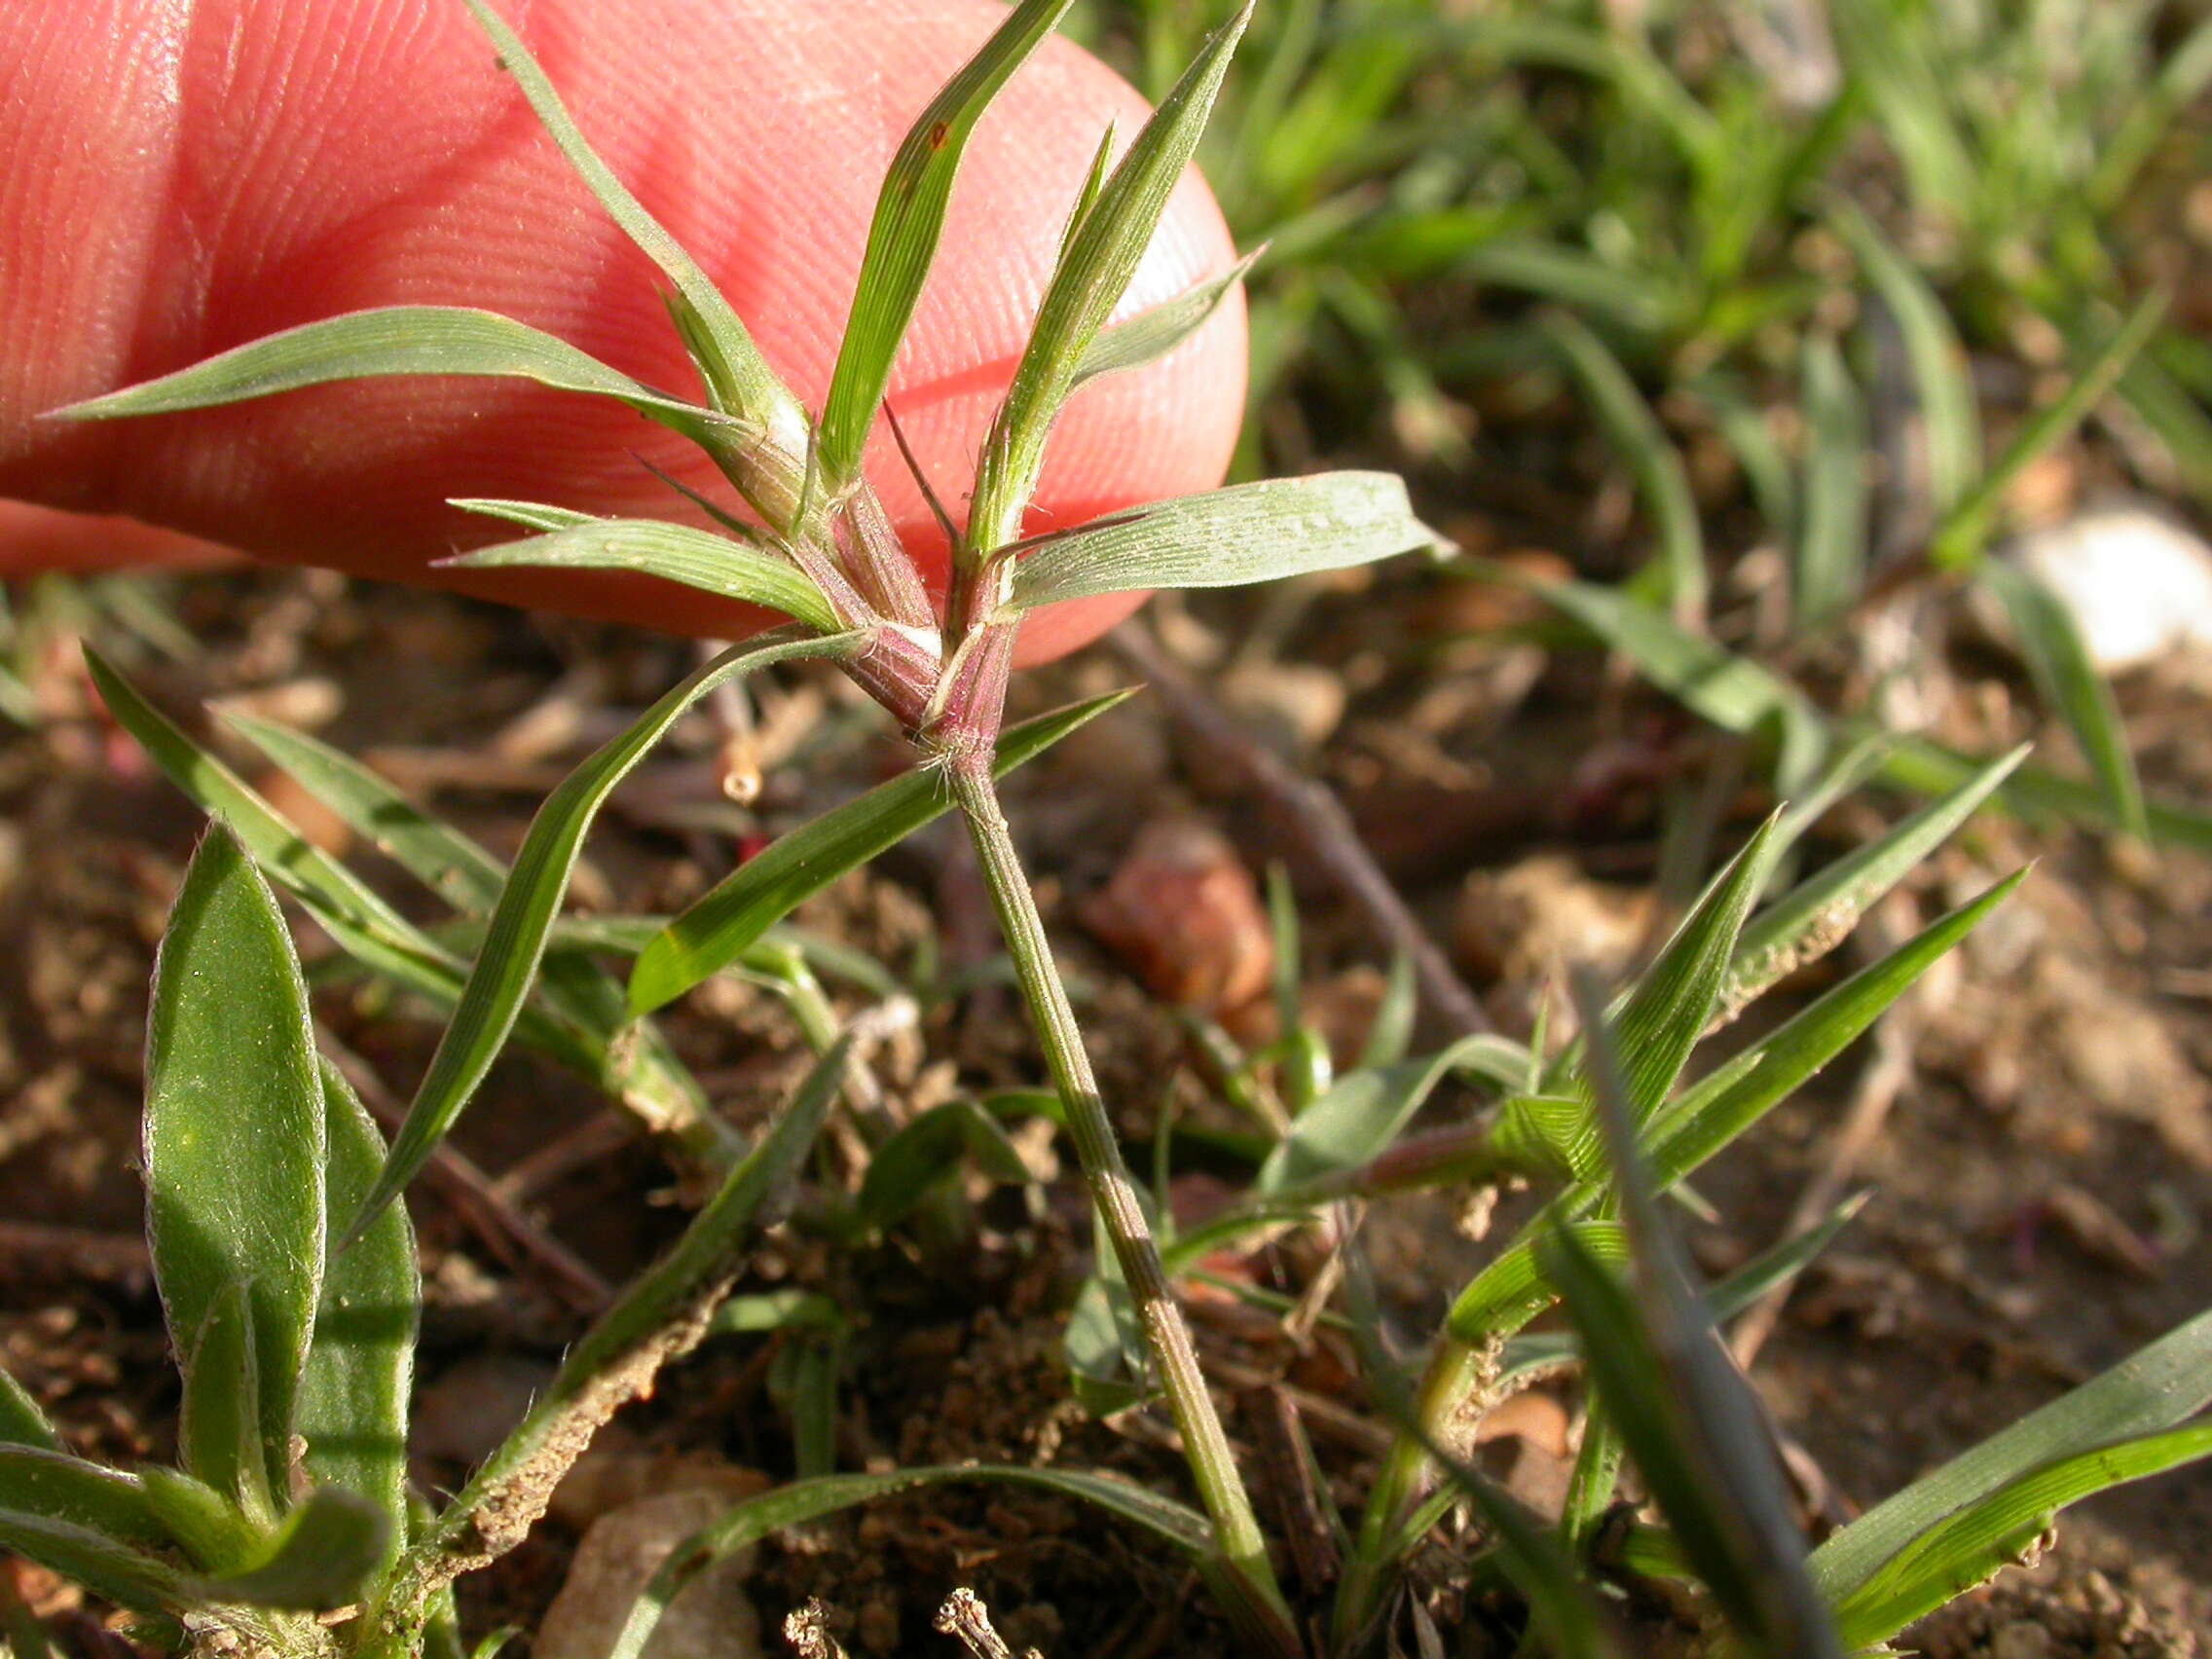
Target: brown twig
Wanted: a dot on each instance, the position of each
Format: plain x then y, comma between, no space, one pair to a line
1317,819
475,1196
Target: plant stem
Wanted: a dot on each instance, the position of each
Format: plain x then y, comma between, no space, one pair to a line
1205,1447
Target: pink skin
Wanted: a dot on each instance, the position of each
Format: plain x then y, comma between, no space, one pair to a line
185,175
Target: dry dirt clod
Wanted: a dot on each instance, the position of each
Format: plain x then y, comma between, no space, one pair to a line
712,1618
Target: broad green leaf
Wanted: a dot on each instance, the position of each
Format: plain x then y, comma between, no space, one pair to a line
1360,1116
127,1576
213,1531
738,378
1683,1409
353,1409
1830,562
768,887
925,1150
2057,656
1950,411
1959,539
235,1142
902,237
1636,435
1720,1107
218,1434
1817,915
515,939
393,340
1513,1289
54,1485
1182,1529
2151,1391
1967,1549
1152,334
1091,276
1247,532
672,552
672,1290
21,1422
325,1556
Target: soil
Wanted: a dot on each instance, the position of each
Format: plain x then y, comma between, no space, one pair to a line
2042,1182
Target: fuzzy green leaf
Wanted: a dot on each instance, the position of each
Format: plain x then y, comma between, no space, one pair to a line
353,1409
235,1140
393,339
55,1485
1247,532
673,552
710,934
515,939
219,1425
325,1556
21,1422
1094,272
127,1576
902,237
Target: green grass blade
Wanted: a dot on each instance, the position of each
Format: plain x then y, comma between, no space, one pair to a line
902,237
1247,532
674,553
927,1148
34,1480
394,340
2151,1391
360,1367
323,1557
1830,563
1360,1116
1180,1529
2050,640
1745,428
1974,1544
1513,1289
711,933
1561,1604
1636,437
1093,275
515,939
235,1139
1964,533
682,1286
1151,335
2032,792
738,378
1720,1107
1817,915
1950,411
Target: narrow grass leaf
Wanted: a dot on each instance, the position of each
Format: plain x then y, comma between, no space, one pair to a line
34,1480
2035,793
903,237
1950,411
672,552
1710,1115
717,928
235,1139
1513,1289
1971,1546
2154,1389
1151,335
116,1572
1561,1604
1247,532
680,1286
515,939
393,340
1360,1116
1831,563
1093,275
2057,656
925,1150
323,1557
1818,914
1636,437
737,376
360,1367
1182,1529
1745,428
1959,539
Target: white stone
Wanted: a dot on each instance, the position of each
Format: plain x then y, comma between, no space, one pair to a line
2139,585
